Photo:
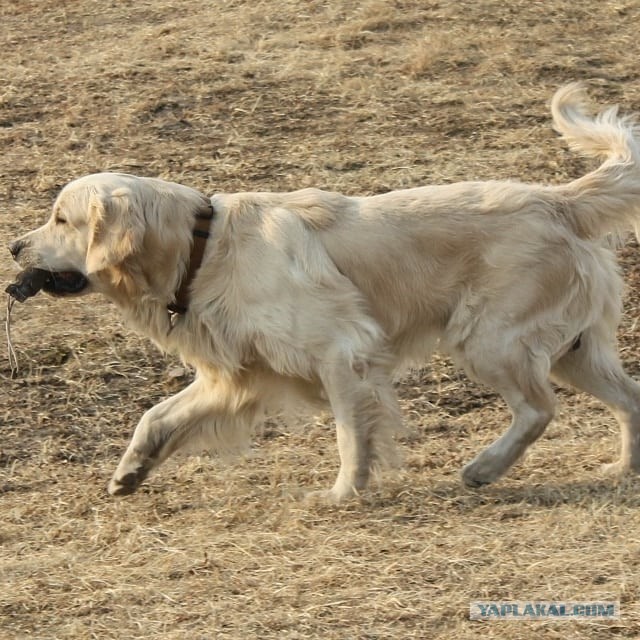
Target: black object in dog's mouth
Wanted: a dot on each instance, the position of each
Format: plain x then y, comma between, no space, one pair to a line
64,283
56,283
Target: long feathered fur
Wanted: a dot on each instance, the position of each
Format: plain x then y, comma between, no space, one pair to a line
606,200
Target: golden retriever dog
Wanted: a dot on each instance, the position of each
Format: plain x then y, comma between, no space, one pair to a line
318,297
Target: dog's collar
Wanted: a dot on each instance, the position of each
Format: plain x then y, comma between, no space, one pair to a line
203,217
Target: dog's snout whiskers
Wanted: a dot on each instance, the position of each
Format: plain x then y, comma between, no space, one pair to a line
16,247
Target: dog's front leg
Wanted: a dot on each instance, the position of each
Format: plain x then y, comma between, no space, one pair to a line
367,418
162,430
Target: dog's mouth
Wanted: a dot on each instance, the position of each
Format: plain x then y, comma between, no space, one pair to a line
57,283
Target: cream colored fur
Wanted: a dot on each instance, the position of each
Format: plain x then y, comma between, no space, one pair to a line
320,297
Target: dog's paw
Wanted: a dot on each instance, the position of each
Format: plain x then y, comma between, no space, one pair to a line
477,474
127,484
328,496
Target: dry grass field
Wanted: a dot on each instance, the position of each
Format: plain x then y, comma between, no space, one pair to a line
359,97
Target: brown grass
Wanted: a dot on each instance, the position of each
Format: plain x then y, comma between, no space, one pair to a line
357,97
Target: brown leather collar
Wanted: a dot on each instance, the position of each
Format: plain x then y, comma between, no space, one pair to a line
200,232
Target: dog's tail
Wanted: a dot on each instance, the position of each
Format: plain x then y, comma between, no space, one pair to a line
606,200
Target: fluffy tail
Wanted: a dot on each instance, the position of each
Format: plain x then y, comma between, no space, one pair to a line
606,200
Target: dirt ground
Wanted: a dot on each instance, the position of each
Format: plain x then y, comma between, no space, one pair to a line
359,97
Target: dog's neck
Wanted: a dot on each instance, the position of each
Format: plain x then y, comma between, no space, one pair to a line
203,217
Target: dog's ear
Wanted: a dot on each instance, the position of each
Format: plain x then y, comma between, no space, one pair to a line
116,229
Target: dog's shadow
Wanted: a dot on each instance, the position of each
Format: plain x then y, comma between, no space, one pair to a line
582,492
513,497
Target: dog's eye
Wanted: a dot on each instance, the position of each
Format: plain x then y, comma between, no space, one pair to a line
60,220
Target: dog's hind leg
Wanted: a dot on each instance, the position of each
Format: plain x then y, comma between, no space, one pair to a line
522,380
594,367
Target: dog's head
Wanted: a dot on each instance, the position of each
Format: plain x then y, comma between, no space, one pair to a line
110,228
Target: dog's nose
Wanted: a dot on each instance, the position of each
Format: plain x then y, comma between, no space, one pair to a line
16,247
